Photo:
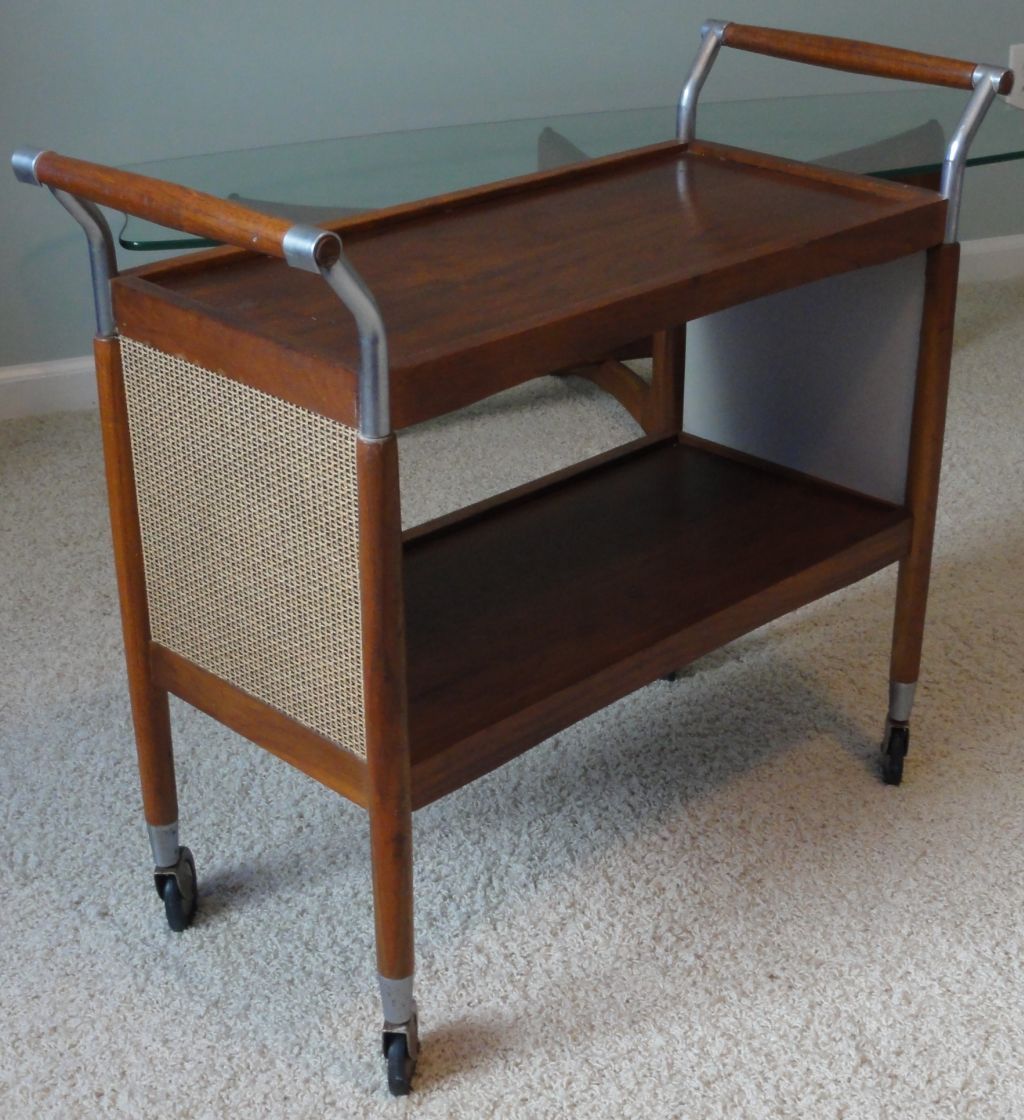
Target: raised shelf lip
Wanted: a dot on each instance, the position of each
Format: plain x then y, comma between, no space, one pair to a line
431,374
567,176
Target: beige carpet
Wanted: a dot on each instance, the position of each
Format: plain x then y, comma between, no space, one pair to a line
699,903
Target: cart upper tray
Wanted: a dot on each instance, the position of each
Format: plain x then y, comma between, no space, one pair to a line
489,287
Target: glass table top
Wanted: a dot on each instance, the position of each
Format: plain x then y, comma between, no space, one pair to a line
890,133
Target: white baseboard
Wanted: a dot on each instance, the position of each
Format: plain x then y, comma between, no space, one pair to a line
992,258
65,385
69,385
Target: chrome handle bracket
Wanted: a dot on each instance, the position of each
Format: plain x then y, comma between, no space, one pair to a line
312,249
102,254
986,86
710,44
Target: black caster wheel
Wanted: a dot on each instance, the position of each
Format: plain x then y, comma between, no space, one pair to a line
671,677
178,889
400,1066
894,751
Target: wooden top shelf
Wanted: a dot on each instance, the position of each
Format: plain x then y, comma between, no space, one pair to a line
538,611
493,286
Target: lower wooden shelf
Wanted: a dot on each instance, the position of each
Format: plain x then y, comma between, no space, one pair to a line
532,614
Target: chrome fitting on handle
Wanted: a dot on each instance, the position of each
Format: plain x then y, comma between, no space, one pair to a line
23,160
984,72
711,42
306,246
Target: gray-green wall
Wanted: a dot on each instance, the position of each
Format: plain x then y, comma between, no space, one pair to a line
124,82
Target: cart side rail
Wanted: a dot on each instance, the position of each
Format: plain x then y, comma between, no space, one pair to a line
82,187
166,204
857,57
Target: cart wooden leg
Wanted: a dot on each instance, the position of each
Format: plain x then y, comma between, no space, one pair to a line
663,403
391,852
387,751
923,470
663,411
174,868
657,407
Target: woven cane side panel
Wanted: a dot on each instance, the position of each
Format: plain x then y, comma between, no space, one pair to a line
250,533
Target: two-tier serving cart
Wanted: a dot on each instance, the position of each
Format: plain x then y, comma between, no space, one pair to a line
250,397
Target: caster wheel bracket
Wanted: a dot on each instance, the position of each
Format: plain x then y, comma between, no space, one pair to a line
400,1046
894,749
177,887
409,1031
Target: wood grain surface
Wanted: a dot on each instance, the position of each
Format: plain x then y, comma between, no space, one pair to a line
856,56
529,616
150,712
496,291
925,463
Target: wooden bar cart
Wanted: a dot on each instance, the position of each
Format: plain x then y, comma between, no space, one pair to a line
249,411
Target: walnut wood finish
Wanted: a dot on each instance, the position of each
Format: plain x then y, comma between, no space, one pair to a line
656,406
893,189
630,390
927,430
226,345
434,206
529,489
329,764
167,204
534,614
856,57
565,272
150,713
502,190
387,746
638,348
930,180
618,381
726,452
663,414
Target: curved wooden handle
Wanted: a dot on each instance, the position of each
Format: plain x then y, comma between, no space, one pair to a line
167,204
857,57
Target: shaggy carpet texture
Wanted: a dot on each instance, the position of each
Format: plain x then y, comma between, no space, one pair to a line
699,903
